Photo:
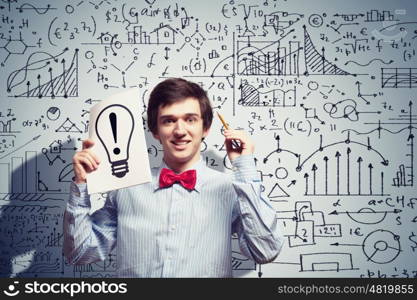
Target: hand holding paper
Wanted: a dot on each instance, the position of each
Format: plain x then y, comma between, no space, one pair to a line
84,162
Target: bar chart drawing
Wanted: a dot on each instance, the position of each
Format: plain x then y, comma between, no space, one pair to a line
352,176
403,178
404,175
274,58
268,58
375,15
20,174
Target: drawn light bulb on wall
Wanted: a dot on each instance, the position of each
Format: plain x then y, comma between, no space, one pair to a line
116,140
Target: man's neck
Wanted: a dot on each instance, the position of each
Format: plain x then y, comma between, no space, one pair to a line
179,167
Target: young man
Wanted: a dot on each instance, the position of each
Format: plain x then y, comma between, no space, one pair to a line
180,224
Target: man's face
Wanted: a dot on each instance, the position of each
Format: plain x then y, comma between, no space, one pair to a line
180,131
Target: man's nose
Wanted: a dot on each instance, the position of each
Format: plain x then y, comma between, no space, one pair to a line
179,128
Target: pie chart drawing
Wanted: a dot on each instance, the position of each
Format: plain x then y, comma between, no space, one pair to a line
381,246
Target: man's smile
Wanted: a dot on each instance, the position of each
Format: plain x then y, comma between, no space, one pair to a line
180,142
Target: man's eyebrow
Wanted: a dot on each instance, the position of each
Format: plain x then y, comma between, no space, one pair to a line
176,116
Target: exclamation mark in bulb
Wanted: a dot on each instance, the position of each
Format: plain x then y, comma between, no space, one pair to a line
113,122
119,167
116,140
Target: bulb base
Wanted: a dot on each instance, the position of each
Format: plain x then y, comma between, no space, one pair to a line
119,168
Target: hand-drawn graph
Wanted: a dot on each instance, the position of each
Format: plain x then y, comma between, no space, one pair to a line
399,78
316,62
22,174
268,58
375,15
22,181
275,58
39,10
251,96
404,175
46,75
347,163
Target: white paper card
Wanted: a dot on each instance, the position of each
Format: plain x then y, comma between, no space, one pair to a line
116,127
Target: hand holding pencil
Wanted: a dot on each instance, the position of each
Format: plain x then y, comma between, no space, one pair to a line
237,142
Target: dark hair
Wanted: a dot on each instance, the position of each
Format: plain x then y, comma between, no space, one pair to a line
173,90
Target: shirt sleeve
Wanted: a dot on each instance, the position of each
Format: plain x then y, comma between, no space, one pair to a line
255,221
88,238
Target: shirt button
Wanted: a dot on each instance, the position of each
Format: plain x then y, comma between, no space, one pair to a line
173,227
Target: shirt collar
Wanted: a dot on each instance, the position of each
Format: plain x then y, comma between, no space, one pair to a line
199,166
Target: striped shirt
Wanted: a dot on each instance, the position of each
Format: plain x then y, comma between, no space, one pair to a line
174,232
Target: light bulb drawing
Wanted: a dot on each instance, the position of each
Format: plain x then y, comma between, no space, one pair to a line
116,140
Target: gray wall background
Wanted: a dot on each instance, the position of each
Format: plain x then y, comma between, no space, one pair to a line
326,89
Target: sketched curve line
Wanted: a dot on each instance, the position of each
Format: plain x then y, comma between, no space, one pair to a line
11,78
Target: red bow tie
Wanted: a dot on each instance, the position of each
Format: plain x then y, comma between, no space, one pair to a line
187,179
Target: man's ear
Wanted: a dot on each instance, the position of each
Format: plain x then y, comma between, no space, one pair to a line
205,133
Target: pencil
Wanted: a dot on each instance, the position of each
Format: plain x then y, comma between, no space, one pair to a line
223,121
235,143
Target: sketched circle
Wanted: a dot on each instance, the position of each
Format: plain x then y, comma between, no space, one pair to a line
89,54
69,9
381,246
281,173
53,113
313,85
315,20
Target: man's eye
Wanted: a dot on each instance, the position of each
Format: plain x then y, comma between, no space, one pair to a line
191,120
167,121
